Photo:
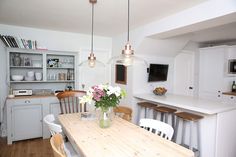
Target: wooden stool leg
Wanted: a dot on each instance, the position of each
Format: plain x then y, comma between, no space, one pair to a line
145,114
198,136
138,115
162,117
191,135
166,117
154,114
176,129
183,132
173,120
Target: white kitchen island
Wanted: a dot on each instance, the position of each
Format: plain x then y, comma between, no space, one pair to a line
217,128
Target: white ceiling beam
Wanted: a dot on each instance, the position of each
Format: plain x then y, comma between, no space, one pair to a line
205,15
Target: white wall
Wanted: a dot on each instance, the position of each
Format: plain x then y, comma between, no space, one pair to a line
52,40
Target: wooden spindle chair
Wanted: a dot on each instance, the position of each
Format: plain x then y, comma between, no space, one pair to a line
160,128
57,144
70,103
123,112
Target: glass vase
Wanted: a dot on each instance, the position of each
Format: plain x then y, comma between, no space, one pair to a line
105,117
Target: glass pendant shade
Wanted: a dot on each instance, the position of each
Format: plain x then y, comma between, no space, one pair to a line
92,62
127,57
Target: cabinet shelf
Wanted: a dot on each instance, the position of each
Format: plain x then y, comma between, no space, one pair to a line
26,67
27,81
49,81
54,68
60,81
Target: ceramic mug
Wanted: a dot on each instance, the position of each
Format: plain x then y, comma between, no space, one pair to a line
38,76
30,73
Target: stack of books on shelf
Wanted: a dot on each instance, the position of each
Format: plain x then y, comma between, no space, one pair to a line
10,41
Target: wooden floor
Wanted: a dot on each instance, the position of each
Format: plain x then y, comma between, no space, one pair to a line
27,148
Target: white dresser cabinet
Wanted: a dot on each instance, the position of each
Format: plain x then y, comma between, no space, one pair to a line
25,116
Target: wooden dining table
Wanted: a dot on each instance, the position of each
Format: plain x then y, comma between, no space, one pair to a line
121,139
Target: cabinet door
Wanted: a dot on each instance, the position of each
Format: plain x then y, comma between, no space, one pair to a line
55,110
211,73
26,121
184,74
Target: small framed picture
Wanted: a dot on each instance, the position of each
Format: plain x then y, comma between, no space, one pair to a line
27,61
120,74
52,63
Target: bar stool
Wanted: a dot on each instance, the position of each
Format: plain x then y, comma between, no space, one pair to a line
192,118
147,106
165,112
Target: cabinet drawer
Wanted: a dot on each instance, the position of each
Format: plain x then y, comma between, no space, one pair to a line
229,98
25,101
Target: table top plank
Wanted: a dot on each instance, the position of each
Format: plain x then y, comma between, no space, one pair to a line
121,139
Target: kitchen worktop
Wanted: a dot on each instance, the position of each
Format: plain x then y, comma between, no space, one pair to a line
195,104
230,93
32,96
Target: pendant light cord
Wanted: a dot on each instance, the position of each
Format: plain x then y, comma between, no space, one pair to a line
92,28
128,21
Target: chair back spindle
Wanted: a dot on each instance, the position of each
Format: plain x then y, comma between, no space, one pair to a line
69,102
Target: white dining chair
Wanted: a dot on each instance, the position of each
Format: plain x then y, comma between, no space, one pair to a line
160,128
57,129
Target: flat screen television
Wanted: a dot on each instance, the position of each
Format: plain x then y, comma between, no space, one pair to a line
158,72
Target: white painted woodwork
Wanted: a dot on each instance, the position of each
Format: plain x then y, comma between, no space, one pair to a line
26,121
184,73
217,128
225,134
25,114
42,56
211,72
121,139
229,98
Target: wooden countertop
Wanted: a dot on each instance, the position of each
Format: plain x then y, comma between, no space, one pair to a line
194,104
229,93
32,96
122,139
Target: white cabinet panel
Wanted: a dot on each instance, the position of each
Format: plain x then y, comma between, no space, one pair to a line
184,74
211,72
55,110
26,122
229,99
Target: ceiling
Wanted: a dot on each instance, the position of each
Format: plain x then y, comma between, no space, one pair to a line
75,15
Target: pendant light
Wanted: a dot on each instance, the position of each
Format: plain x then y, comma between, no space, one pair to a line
127,57
92,62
